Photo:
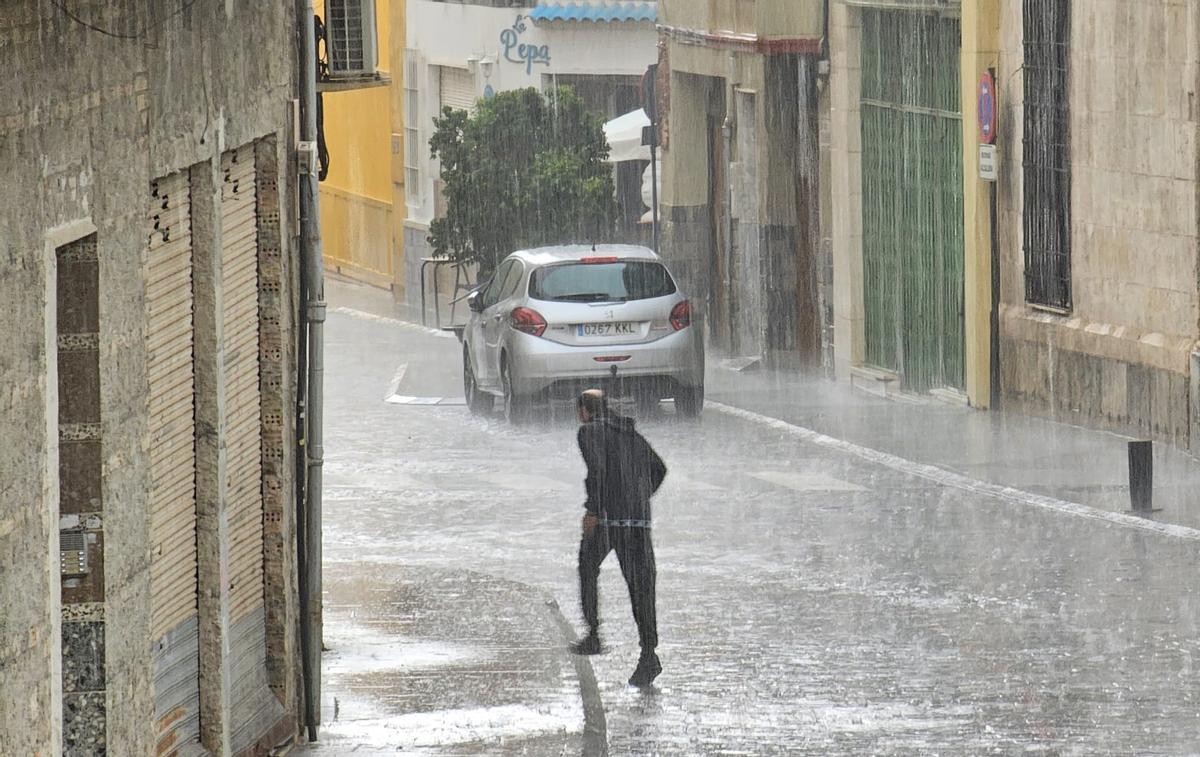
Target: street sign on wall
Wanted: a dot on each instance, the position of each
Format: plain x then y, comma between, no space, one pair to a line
987,109
988,166
650,92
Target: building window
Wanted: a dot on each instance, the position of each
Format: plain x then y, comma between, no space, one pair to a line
412,128
457,87
1047,157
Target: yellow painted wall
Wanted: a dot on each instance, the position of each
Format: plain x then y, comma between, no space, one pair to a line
357,196
980,51
358,131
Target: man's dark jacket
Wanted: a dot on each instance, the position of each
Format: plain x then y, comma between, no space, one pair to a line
623,469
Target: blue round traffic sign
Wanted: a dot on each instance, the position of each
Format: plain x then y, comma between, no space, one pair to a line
987,109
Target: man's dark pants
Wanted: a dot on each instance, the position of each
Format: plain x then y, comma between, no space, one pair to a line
635,552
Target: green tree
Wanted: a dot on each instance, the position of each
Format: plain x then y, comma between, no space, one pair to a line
524,170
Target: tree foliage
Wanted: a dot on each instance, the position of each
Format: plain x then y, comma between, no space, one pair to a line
524,170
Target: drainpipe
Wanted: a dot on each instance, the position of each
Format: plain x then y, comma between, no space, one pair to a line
313,275
727,133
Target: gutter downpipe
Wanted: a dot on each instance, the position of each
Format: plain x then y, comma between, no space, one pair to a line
312,271
727,133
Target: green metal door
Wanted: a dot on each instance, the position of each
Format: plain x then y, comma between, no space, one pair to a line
912,197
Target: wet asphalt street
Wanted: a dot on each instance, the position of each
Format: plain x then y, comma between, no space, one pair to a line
809,602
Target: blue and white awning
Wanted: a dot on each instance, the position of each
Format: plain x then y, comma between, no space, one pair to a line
612,11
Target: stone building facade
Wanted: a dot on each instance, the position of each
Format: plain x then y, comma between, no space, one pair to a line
902,300
148,269
1075,295
1110,335
738,84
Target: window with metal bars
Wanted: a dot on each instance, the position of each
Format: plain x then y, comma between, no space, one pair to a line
344,28
1047,153
412,127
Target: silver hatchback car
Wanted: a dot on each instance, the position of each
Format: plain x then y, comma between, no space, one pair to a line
555,320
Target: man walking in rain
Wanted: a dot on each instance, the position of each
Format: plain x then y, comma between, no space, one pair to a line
623,472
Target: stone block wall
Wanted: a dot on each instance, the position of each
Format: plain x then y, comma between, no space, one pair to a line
88,117
684,214
763,292
1124,348
1077,387
686,239
781,299
416,247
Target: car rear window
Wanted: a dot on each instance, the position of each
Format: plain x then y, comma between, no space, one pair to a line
601,282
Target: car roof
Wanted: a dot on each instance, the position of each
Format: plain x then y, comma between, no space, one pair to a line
566,253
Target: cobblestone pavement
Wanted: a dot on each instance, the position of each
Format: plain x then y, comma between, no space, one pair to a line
809,602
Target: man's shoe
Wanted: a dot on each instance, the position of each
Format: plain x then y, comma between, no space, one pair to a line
587,645
647,670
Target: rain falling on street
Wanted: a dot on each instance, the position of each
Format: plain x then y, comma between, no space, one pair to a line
810,601
600,377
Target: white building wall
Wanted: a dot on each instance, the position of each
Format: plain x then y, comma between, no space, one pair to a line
470,36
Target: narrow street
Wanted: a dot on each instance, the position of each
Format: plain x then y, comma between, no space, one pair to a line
809,602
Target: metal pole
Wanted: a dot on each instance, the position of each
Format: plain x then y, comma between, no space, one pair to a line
437,299
727,227
650,138
314,274
994,376
1141,476
727,132
423,304
995,395
654,184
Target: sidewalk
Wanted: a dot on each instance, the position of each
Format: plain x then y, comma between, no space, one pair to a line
1070,463
423,661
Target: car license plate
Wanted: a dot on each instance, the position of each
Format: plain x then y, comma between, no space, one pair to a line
606,329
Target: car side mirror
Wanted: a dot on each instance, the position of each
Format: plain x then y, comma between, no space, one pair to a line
475,301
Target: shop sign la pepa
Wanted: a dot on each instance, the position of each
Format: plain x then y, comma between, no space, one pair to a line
516,51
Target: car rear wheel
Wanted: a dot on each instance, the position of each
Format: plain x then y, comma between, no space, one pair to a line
478,402
689,401
516,407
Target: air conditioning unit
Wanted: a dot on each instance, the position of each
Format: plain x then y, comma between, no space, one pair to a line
351,38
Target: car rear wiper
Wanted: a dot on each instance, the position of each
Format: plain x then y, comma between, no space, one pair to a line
585,297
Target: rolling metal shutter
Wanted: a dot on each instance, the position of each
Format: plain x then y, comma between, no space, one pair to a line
170,368
239,278
913,197
254,708
458,88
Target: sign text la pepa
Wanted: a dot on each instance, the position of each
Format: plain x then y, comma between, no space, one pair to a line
516,51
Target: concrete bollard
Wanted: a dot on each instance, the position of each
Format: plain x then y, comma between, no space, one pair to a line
1141,476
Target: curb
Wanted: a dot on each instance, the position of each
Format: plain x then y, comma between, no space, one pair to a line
595,728
363,315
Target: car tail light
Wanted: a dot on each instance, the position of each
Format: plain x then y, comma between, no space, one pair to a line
681,316
528,321
597,261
